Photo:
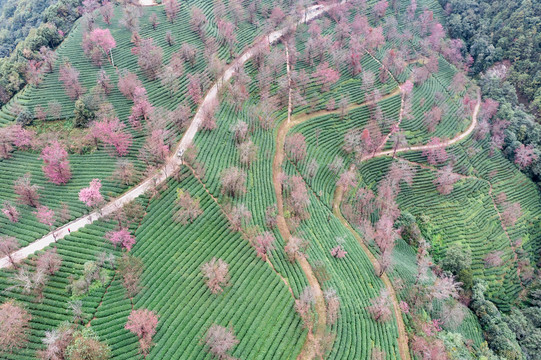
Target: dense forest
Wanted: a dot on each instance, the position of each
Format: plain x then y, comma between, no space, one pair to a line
29,29
496,30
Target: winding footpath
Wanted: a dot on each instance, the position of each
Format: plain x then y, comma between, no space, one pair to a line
173,162
314,339
337,200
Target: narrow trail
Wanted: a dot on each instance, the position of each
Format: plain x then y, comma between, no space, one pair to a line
312,341
173,161
244,235
402,334
282,132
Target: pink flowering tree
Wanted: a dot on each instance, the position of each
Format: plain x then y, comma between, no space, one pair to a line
57,168
380,8
435,154
295,147
111,132
381,307
143,323
121,237
264,243
445,180
98,44
128,83
327,76
69,76
525,155
91,195
46,216
10,212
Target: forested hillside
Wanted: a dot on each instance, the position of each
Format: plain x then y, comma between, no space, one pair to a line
496,30
264,179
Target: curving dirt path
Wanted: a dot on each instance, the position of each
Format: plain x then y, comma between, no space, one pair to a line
402,335
173,161
282,132
311,343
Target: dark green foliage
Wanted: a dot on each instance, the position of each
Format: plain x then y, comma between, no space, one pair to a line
26,26
457,258
522,129
25,118
495,30
500,338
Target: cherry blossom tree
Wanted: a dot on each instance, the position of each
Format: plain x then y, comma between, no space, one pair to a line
494,259
459,82
198,22
8,245
295,147
57,168
264,243
375,38
326,75
379,9
98,44
239,216
219,340
104,82
156,147
347,180
143,323
47,217
377,353
14,326
130,269
69,76
304,306
445,287
171,8
445,180
525,155
247,153
511,213
195,89
48,58
149,57
433,118
107,11
295,248
10,212
91,195
121,237
189,208
233,181
436,153
27,193
110,131
216,274
381,307
332,302
49,261
128,83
